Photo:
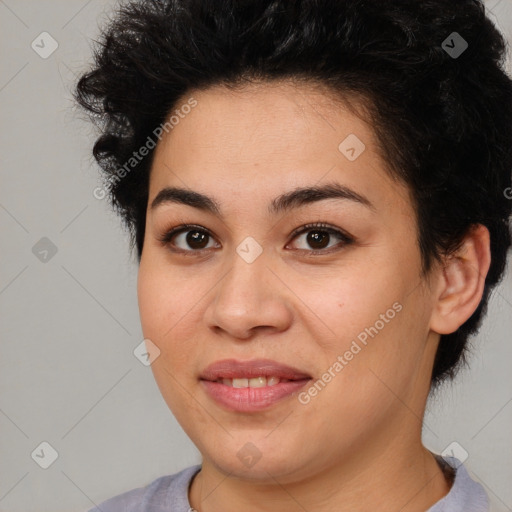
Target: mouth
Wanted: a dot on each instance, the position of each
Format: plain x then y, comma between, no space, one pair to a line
253,382
251,386
234,370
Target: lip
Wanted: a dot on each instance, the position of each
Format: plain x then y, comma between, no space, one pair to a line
232,368
251,399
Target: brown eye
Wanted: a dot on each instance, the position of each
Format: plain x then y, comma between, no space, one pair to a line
196,239
319,236
187,239
318,239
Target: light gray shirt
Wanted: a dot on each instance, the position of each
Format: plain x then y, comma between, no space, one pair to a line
170,494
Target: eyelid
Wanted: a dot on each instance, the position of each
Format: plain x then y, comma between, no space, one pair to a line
324,227
345,238
321,226
170,233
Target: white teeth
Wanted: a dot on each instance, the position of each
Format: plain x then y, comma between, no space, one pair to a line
272,381
255,382
258,382
240,383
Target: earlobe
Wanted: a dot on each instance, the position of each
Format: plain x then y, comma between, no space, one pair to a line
461,282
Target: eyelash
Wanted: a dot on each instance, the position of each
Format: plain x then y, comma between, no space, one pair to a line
346,239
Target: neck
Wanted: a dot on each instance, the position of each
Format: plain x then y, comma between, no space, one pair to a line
409,480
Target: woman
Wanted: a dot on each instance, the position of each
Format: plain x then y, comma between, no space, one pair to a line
317,193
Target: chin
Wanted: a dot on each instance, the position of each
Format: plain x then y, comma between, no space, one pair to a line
258,464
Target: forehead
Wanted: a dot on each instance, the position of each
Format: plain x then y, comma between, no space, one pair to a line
270,136
262,117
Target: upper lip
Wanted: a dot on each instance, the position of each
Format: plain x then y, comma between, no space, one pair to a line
231,369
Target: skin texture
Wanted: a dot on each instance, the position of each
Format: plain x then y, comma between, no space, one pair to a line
357,444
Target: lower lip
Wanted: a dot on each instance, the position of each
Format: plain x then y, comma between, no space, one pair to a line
251,399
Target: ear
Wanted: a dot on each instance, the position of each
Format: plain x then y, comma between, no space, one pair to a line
461,282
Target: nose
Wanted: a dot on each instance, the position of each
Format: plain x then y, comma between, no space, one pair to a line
250,298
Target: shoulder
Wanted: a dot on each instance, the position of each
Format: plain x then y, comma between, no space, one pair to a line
465,495
159,495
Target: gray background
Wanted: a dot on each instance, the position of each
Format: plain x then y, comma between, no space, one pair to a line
70,324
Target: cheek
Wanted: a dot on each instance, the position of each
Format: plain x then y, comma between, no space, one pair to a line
162,299
149,291
162,308
374,317
169,315
341,303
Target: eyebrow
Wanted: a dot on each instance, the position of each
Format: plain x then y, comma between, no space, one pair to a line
285,202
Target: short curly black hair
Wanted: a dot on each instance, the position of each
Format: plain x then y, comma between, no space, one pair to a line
442,112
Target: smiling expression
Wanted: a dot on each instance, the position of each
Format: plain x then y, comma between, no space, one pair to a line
264,240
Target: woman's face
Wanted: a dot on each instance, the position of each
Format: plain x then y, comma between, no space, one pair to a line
243,285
